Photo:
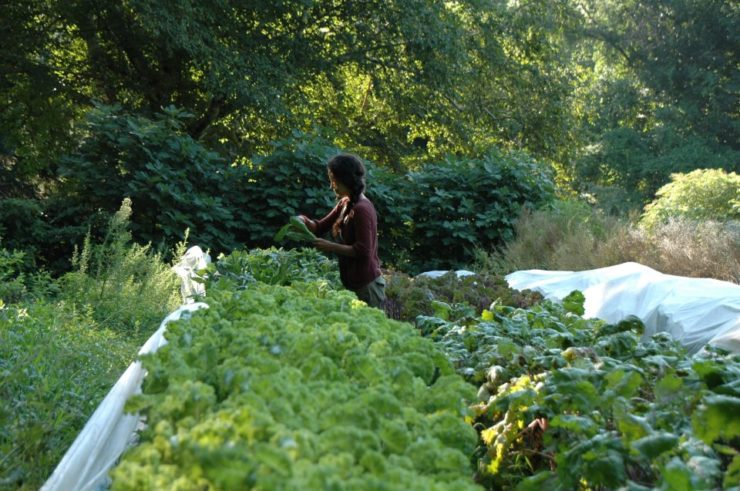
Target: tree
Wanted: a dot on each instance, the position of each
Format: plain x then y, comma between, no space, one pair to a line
664,91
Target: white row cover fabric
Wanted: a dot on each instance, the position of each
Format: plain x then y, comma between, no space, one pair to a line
108,431
696,311
461,273
187,269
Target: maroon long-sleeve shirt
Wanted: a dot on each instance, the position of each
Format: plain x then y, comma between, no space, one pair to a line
360,230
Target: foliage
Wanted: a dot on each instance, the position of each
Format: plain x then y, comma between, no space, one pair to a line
290,180
25,227
295,230
449,296
63,343
275,267
174,182
125,286
663,80
298,387
17,283
56,365
399,80
570,403
427,219
617,95
467,203
703,194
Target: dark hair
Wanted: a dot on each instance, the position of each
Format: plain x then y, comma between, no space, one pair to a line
350,171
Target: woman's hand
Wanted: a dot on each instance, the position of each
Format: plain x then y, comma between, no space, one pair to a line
311,224
324,245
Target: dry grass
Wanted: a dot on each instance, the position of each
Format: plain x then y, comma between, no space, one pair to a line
569,239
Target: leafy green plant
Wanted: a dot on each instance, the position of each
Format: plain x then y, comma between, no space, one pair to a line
703,194
573,403
429,219
295,230
462,204
298,387
408,297
12,284
275,267
127,286
290,180
175,183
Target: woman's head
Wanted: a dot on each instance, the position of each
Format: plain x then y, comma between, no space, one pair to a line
347,175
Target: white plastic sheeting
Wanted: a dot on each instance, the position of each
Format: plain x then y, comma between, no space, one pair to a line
696,311
437,273
108,431
187,269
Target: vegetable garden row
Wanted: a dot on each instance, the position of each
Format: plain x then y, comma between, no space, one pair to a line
288,382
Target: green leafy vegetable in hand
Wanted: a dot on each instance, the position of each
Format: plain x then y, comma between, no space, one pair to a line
295,230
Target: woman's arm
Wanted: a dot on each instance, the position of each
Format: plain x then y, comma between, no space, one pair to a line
329,246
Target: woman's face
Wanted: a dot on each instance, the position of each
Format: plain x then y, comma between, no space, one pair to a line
336,186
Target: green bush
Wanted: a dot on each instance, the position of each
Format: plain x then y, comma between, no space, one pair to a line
64,343
459,205
429,219
126,286
28,225
290,180
174,182
703,194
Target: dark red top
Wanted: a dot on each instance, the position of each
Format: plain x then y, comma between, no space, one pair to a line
360,230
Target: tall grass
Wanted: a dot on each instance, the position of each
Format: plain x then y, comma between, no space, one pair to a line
572,237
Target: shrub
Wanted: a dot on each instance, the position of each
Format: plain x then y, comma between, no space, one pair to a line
125,285
25,227
683,247
429,219
703,194
462,204
20,281
290,180
566,235
174,182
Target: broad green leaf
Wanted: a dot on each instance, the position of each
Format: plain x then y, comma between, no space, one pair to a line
668,387
624,383
732,476
717,417
574,302
653,445
539,481
676,476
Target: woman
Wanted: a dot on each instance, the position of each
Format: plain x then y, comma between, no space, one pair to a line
354,226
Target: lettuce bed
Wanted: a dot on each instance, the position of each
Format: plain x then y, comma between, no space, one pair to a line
299,387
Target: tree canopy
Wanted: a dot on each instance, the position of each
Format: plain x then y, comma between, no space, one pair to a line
614,95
